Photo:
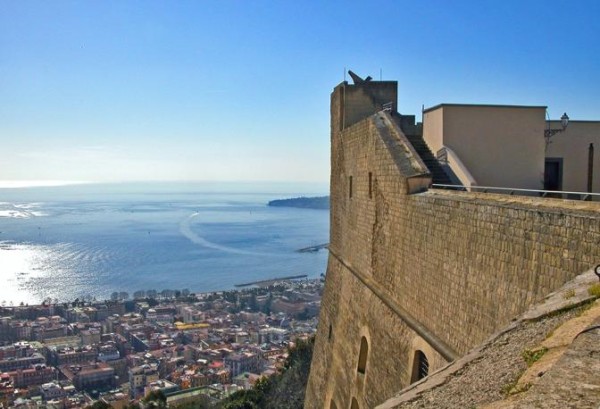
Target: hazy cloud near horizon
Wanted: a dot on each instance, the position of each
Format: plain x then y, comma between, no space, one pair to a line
119,163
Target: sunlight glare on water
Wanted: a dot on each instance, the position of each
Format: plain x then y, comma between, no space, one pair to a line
19,263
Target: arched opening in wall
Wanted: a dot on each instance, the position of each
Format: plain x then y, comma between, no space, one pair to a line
354,404
370,185
420,367
330,332
350,187
332,405
362,356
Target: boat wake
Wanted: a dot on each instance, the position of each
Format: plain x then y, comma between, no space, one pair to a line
185,229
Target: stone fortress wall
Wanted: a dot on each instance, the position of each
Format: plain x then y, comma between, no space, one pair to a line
417,269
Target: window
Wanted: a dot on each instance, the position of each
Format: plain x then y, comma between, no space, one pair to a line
362,356
420,367
370,185
350,187
330,332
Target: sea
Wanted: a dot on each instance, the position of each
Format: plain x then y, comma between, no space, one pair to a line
88,241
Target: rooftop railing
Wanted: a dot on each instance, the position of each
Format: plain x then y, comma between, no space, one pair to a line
560,194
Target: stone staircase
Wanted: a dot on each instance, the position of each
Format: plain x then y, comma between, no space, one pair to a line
438,173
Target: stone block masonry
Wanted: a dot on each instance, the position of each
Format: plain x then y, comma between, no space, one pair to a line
434,271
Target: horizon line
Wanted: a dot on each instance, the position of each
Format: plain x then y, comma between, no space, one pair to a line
29,183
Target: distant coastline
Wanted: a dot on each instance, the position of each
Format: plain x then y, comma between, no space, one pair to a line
320,202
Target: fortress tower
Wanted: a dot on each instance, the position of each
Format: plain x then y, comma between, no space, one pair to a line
418,276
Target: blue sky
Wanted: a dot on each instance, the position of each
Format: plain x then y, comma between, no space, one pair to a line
239,90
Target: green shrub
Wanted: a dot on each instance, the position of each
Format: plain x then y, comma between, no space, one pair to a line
594,290
532,356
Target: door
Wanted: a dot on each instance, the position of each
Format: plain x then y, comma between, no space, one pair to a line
553,171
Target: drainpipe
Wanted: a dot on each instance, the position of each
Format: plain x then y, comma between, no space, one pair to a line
590,167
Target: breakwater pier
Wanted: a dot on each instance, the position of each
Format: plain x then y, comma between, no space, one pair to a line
268,282
313,249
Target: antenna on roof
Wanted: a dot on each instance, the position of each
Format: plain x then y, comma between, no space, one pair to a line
380,74
344,74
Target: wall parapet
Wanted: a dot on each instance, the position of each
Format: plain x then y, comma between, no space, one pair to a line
547,204
560,194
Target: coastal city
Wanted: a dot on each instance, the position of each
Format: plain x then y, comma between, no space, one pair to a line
190,347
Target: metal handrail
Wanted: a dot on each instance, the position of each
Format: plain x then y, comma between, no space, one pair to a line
513,190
